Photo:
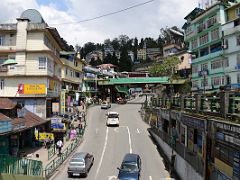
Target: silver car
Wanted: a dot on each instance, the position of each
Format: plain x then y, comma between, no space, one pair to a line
80,164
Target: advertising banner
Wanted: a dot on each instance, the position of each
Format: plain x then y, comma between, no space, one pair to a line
32,89
55,107
63,102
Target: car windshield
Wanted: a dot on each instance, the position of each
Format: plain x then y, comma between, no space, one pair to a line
113,116
129,167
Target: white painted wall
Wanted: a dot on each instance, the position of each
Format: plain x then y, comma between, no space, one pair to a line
11,85
35,41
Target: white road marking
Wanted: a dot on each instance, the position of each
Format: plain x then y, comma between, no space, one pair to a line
138,131
129,139
96,130
150,177
103,152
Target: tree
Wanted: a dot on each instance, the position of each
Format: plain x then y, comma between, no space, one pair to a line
115,44
166,68
125,60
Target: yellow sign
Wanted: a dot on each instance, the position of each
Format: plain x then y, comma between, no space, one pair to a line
34,89
43,136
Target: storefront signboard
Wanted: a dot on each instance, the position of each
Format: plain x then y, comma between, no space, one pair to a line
193,122
55,107
55,120
63,102
32,89
232,140
228,127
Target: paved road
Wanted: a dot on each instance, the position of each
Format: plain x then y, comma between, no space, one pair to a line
110,144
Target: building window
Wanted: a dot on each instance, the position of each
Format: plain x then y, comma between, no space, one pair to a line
42,62
238,78
216,64
194,44
211,21
2,40
66,71
204,66
215,34
216,81
204,81
237,12
238,40
203,39
50,65
2,84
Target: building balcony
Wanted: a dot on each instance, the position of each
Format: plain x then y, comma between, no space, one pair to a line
3,69
8,27
207,57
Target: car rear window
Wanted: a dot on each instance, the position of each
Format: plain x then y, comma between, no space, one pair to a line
113,116
129,167
77,160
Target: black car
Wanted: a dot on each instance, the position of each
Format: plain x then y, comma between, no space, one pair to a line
130,167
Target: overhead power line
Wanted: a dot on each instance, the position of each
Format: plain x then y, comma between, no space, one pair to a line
108,14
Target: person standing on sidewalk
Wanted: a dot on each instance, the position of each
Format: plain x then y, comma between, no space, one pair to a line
59,146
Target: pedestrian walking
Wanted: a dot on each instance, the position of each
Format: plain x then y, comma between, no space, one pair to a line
59,146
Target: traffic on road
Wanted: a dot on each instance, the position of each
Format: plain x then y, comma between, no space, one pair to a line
115,152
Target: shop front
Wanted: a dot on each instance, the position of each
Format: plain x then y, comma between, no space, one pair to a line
195,133
227,150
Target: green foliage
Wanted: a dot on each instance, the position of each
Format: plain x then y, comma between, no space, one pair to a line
166,68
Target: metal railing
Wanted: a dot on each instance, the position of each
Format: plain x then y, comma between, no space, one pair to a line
55,163
23,166
51,151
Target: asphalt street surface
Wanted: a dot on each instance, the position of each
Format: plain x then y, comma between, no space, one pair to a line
109,144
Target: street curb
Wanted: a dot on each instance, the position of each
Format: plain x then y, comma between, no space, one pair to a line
56,171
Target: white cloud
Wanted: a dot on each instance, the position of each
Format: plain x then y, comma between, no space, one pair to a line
143,21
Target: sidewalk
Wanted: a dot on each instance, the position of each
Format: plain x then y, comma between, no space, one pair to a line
41,154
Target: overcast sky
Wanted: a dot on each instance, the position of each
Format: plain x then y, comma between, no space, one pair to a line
143,21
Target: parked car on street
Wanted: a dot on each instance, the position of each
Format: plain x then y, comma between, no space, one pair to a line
112,119
80,164
130,167
105,105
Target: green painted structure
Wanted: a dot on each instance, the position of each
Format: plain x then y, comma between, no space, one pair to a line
138,80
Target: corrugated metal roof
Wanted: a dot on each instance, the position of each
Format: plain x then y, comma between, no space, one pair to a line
6,103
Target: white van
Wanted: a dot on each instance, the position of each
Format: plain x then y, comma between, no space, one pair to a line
112,119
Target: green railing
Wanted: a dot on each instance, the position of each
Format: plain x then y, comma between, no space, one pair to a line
189,103
55,163
234,104
51,151
23,166
210,104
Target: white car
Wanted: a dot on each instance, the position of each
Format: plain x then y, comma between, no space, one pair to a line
105,105
112,119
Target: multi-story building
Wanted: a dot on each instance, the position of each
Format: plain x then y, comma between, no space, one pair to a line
142,54
152,53
35,81
203,33
231,46
72,76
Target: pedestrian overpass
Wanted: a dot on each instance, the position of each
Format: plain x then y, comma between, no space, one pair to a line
137,80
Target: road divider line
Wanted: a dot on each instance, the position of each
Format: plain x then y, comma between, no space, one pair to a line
103,152
129,140
150,177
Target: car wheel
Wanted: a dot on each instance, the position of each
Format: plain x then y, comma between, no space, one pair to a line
86,174
69,175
